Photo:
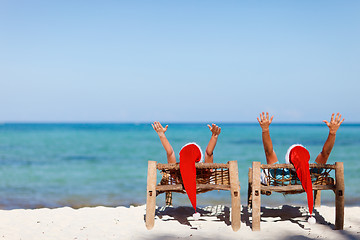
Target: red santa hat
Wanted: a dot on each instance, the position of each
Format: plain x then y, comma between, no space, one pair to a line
189,155
299,156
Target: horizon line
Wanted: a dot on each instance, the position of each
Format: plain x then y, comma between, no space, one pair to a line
167,122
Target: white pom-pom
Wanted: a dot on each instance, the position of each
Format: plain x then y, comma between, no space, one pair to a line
196,216
311,220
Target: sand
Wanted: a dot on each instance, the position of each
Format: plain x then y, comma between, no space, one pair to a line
284,222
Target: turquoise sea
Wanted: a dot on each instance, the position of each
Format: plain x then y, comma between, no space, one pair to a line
55,165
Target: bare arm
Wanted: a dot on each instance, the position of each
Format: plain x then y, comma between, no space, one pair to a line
160,130
333,125
209,152
265,122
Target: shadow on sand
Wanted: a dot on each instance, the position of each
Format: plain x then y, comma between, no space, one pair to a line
293,214
184,214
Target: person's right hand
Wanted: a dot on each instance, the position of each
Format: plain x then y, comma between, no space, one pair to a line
334,124
264,121
159,128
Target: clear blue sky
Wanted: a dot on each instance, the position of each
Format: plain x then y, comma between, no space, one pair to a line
179,61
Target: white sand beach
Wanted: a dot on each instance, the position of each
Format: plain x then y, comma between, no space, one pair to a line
285,222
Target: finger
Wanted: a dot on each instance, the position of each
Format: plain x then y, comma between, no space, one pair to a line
263,116
267,115
341,121
153,126
166,127
258,120
158,125
219,130
209,127
216,129
271,118
332,117
337,117
326,122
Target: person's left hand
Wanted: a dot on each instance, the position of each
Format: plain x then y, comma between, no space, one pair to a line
265,121
214,129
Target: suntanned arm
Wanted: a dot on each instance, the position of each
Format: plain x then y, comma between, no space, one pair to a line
209,152
160,130
333,125
265,122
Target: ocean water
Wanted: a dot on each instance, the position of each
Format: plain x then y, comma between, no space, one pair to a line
76,165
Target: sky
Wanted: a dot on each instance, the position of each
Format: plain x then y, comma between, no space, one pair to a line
179,61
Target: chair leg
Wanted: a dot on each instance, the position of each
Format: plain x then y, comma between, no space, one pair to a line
235,196
249,188
317,198
256,197
150,195
168,198
339,196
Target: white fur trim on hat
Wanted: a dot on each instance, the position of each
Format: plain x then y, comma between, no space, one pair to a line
196,216
202,155
311,220
287,160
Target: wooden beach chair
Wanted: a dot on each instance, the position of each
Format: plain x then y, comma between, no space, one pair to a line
209,176
321,180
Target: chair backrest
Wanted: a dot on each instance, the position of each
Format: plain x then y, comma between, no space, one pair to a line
209,176
285,174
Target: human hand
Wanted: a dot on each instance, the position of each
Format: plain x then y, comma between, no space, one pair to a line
159,128
264,121
334,124
215,130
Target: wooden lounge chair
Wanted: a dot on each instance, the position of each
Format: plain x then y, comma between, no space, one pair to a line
209,176
321,180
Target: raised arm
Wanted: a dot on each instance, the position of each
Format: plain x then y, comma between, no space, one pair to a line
265,122
333,125
209,152
160,130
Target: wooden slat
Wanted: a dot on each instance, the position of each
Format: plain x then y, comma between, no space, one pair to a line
235,196
250,187
295,188
150,195
179,187
168,198
176,166
168,166
256,196
339,196
317,198
290,166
